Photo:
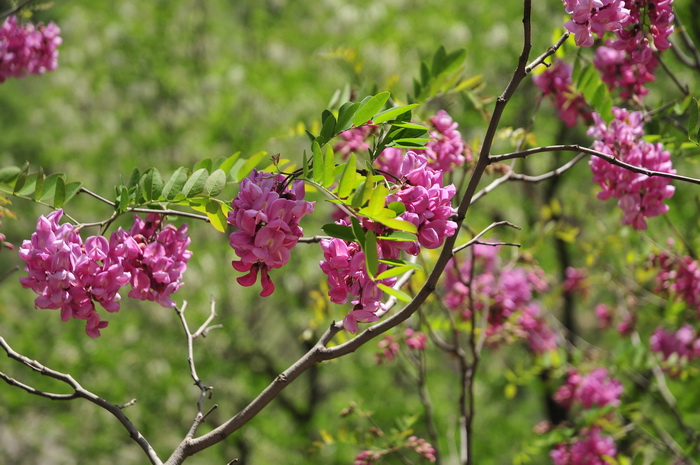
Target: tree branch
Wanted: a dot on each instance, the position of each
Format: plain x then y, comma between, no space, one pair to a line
611,159
78,392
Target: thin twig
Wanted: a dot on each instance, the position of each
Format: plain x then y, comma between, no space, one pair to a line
476,238
609,158
14,10
549,52
78,392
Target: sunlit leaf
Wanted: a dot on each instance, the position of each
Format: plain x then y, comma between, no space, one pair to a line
370,108
249,165
328,167
175,183
215,183
400,295
347,180
371,255
392,113
195,183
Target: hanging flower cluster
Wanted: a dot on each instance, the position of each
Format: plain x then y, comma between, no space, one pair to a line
506,293
266,214
638,195
594,17
72,275
590,447
27,49
556,82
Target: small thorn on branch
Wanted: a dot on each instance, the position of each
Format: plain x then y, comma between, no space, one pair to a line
128,404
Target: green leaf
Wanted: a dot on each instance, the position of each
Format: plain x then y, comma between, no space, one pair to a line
377,201
693,120
123,203
215,183
317,162
9,174
228,163
400,295
328,167
305,166
438,61
215,211
22,178
50,186
397,207
135,178
410,126
413,140
392,272
347,180
39,187
195,184
371,256
59,196
72,189
403,263
29,185
328,128
341,232
345,115
370,108
358,231
249,164
175,183
392,113
399,225
152,184
399,236
206,163
358,199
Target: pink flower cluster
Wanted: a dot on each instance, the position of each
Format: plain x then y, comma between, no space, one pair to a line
575,281
685,342
443,152
594,17
506,293
421,447
596,389
678,277
354,140
556,82
628,62
428,203
427,206
344,264
389,345
619,71
156,256
590,448
266,214
446,148
640,196
72,275
27,49
367,457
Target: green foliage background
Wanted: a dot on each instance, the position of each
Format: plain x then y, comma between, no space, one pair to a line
166,83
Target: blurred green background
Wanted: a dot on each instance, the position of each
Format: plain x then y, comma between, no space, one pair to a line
167,83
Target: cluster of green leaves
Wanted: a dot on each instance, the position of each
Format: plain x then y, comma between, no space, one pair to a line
588,83
52,190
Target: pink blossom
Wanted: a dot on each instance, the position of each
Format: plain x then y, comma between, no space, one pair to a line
602,312
556,82
575,280
156,255
27,49
506,293
683,342
421,447
415,340
678,277
594,17
446,149
596,389
367,457
266,214
638,195
589,448
389,348
70,275
354,140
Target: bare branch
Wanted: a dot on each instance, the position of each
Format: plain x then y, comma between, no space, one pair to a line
605,156
14,10
78,392
476,238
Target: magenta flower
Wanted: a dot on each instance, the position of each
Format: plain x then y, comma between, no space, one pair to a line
446,148
556,82
266,214
156,255
415,340
638,195
71,276
594,17
27,49
596,389
590,448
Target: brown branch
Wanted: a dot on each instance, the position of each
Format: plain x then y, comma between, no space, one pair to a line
14,10
78,392
475,239
609,158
